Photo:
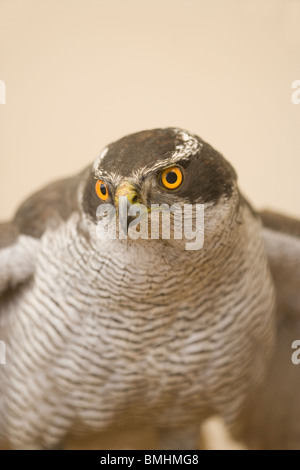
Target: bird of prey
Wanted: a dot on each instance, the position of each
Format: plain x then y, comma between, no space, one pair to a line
102,332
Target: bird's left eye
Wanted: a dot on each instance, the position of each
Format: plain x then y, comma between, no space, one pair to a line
171,178
101,190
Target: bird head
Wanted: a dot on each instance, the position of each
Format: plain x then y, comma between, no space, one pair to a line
162,167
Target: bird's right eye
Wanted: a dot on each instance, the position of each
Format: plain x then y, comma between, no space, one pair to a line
101,190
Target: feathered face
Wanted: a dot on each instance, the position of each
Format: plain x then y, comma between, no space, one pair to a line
161,166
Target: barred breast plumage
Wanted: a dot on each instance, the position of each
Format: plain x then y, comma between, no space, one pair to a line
106,332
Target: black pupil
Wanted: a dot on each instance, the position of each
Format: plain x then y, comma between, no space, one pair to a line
171,177
103,189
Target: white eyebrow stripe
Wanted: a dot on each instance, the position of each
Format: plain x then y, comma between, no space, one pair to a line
99,159
183,151
189,146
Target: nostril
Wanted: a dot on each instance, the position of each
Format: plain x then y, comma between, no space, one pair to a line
134,199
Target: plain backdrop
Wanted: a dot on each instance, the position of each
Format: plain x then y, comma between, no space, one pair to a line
81,73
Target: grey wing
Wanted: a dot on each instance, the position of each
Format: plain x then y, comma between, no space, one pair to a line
20,238
17,256
282,240
272,420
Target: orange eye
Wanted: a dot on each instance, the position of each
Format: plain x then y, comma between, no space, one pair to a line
101,190
171,178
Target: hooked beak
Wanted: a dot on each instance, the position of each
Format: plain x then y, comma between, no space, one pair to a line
130,191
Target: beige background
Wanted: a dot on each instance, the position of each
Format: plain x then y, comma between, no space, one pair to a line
80,73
